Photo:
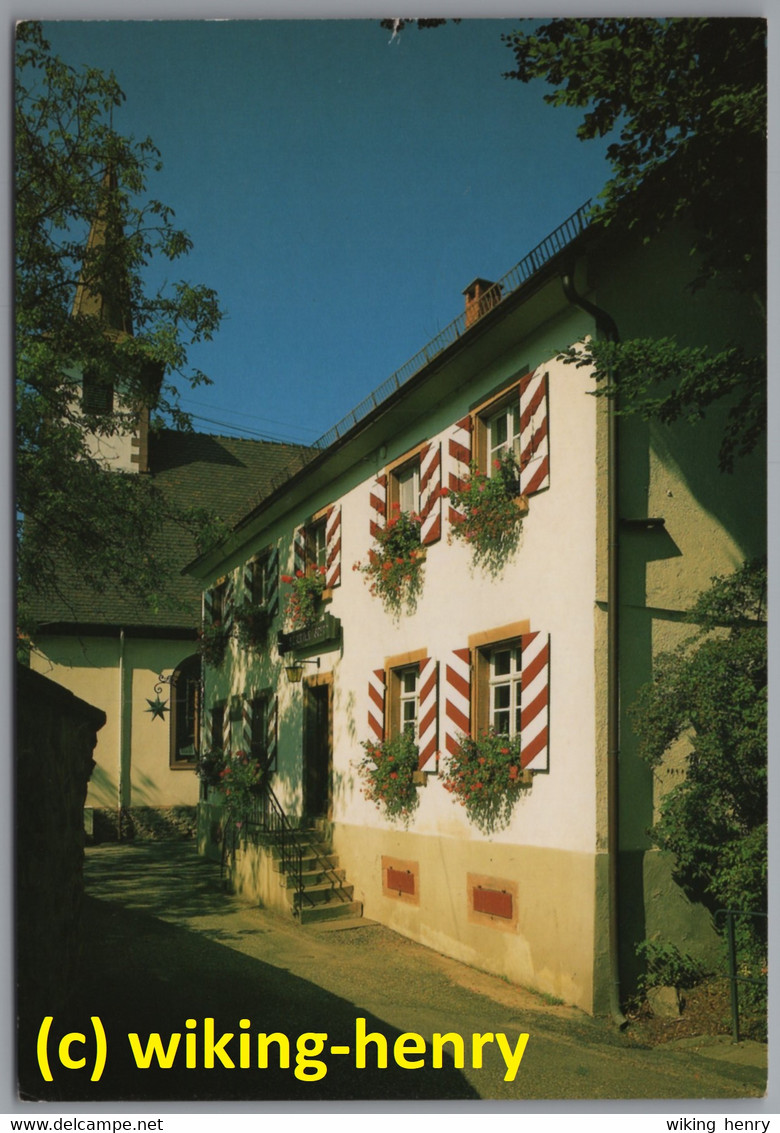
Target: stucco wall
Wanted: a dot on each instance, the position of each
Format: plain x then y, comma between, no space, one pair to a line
132,755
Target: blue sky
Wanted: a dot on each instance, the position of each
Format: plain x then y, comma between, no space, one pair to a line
341,189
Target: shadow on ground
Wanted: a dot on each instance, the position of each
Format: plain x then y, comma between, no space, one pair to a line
141,975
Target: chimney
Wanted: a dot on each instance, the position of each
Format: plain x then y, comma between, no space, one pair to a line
481,296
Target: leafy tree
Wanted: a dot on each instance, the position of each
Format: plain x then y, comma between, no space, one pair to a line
72,169
712,692
685,100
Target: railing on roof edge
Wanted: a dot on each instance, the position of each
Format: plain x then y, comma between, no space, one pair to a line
530,264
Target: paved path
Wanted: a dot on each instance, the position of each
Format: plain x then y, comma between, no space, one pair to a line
166,944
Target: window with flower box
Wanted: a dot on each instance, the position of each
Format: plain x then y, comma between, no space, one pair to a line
317,546
403,697
513,421
499,683
410,486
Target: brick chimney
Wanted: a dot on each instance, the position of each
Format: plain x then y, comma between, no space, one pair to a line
481,296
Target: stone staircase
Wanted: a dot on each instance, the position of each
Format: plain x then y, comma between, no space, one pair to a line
326,897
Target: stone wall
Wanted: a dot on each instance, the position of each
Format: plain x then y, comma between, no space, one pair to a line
141,823
56,735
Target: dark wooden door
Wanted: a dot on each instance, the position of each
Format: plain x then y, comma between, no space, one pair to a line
317,755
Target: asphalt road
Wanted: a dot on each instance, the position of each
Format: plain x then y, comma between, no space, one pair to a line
167,950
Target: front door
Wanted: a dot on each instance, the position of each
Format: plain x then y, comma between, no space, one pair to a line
317,748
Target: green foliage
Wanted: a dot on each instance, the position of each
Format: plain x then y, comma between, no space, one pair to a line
659,380
252,622
711,692
209,767
387,769
241,781
491,513
685,101
485,776
394,569
212,642
73,168
667,966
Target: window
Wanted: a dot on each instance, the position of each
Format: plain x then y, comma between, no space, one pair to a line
501,682
185,713
502,435
412,486
217,603
505,685
513,420
217,727
317,546
407,700
258,743
97,395
405,488
404,696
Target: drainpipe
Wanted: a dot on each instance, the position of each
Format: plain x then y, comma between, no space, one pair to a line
122,783
605,325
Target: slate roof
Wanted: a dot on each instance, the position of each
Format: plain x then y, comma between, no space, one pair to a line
226,475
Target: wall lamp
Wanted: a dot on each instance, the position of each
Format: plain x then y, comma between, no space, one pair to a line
295,669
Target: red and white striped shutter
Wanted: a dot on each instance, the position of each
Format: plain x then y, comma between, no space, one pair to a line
272,582
457,699
248,578
299,549
534,446
430,493
230,598
208,606
246,724
428,678
333,547
459,449
534,701
227,731
377,503
272,732
376,705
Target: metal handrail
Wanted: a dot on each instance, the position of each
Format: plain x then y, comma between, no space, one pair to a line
734,979
530,264
268,816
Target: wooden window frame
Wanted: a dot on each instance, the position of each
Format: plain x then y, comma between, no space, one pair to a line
481,646
192,662
412,457
394,667
481,415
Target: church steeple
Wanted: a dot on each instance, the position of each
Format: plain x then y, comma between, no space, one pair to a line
103,290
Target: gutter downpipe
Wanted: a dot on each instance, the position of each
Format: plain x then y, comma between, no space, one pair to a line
122,769
606,326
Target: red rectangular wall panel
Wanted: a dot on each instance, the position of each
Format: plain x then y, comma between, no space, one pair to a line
496,902
401,880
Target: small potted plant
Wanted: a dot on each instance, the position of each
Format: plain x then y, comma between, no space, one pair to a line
209,767
252,622
394,568
241,781
303,601
388,771
486,777
490,513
